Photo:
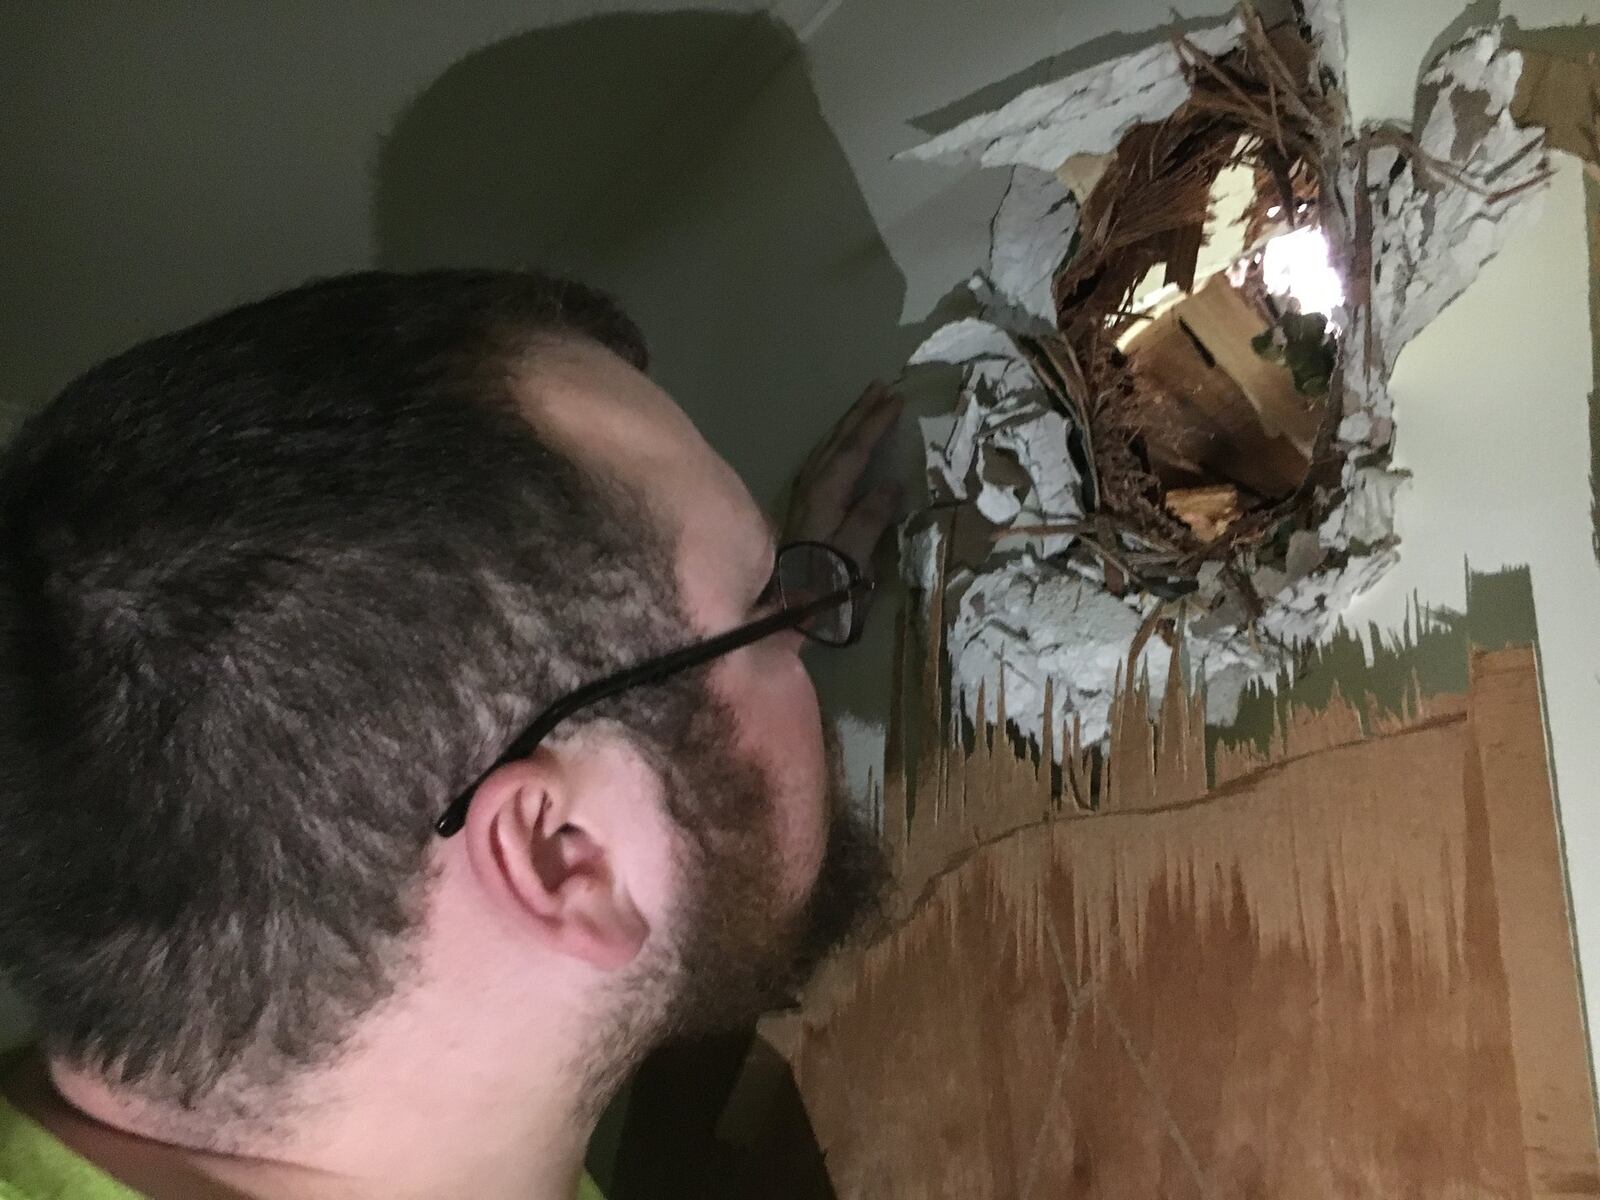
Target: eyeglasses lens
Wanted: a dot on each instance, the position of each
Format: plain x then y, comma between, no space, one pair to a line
809,572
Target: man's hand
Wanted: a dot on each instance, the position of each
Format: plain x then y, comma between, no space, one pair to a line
827,503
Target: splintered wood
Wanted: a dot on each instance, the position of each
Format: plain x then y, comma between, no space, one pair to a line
1561,95
1345,970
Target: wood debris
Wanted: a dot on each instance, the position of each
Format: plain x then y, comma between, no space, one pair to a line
1207,511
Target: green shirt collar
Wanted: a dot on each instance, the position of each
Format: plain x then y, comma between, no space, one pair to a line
35,1165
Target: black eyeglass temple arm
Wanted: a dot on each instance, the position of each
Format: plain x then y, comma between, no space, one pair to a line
653,671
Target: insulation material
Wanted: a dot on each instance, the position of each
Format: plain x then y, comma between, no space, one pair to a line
1267,505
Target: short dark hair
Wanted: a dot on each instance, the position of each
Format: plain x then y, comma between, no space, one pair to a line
272,589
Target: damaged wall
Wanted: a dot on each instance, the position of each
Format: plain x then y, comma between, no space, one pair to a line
1494,429
1225,466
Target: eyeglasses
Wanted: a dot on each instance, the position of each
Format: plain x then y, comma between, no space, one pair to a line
820,592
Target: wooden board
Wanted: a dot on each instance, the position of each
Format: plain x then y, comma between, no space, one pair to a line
1225,322
1561,95
1346,970
1535,929
1196,417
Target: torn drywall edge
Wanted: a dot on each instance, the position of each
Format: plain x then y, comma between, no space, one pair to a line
1324,20
1432,227
1085,113
1029,621
1366,514
1029,238
968,340
1037,438
1439,217
949,447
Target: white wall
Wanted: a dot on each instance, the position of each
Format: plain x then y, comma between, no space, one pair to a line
161,160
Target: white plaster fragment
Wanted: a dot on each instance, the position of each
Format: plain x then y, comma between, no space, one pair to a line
1028,239
1034,621
1000,377
1039,443
919,557
1085,113
998,502
949,446
1435,227
1308,611
964,341
1001,410
1356,429
1366,514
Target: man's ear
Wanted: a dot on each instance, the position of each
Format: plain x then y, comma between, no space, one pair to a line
532,843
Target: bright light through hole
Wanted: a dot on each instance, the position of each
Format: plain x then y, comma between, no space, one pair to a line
1296,264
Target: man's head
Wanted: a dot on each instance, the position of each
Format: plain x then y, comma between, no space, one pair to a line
274,587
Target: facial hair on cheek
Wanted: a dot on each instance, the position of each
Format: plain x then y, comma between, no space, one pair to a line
740,949
847,898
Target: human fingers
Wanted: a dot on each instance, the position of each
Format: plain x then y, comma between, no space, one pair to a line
864,525
867,407
836,480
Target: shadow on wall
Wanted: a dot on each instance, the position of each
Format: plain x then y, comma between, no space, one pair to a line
543,148
681,161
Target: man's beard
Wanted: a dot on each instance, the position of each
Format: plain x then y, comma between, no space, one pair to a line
737,947
742,948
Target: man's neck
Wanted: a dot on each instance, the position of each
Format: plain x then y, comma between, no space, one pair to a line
471,1081
416,1143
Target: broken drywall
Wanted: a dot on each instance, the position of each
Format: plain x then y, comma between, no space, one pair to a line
1086,113
1409,219
1434,228
1031,235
